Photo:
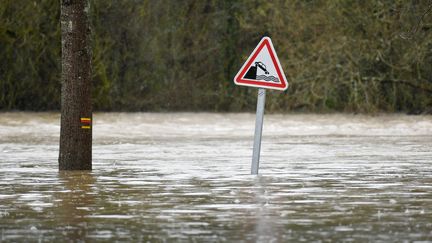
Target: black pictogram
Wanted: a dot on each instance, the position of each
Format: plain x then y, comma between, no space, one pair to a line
252,73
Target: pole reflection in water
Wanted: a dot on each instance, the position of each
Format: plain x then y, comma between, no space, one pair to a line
265,227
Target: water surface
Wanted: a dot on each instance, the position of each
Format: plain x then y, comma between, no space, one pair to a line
185,177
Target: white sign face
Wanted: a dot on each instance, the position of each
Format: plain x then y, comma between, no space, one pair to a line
262,69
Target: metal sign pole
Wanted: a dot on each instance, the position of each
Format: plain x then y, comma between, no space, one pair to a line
258,131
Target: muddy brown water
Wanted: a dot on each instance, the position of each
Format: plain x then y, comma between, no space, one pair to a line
184,177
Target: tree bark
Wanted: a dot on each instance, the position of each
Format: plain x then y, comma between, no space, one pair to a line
76,104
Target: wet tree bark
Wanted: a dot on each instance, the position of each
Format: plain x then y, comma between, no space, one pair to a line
76,105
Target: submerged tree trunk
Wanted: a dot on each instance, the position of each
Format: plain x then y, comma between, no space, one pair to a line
76,103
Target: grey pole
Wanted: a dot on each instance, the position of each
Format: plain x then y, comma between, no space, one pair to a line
258,131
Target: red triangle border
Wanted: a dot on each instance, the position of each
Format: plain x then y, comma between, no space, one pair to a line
283,85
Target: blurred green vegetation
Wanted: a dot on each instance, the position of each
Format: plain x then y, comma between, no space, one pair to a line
163,55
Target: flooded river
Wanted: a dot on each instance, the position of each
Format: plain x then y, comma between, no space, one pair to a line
185,177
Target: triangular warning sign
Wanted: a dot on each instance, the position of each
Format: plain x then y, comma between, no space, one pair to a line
262,69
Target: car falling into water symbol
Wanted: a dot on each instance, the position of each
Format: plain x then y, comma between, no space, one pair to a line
252,73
